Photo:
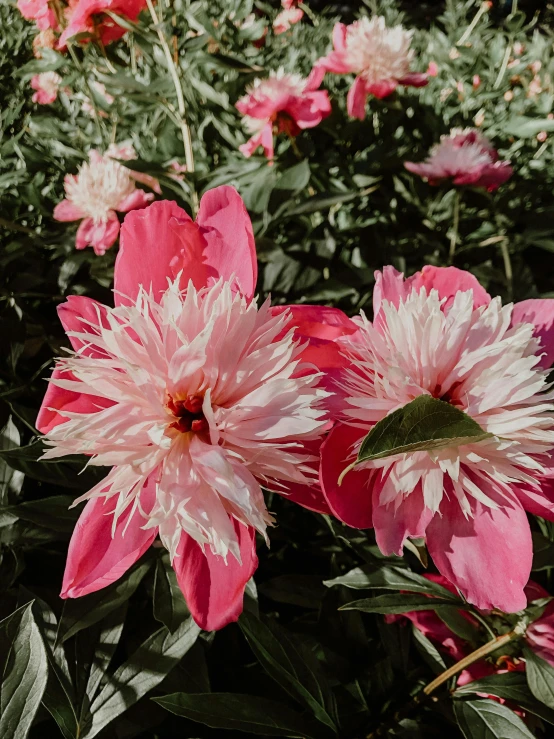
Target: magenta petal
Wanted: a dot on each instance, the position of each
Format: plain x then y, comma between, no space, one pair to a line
59,399
487,556
214,591
95,558
137,199
381,89
389,286
448,281
76,314
394,525
308,496
538,502
230,248
351,501
541,314
150,249
98,235
417,79
356,99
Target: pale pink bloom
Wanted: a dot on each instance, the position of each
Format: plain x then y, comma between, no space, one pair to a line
535,87
46,39
476,81
101,187
465,157
286,19
126,151
539,635
177,170
47,85
280,103
380,57
40,12
88,16
196,397
440,334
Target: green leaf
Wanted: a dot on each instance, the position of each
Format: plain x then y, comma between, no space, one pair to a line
540,677
487,719
294,178
108,639
170,607
248,713
144,669
51,513
543,552
422,425
79,613
24,672
280,659
428,651
305,591
396,604
390,578
525,127
512,686
461,626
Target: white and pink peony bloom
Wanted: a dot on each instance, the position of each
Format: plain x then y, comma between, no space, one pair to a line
439,333
47,86
88,16
196,397
280,103
380,57
287,18
101,187
40,12
465,157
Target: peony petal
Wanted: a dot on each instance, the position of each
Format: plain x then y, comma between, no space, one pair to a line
538,502
488,555
308,496
98,235
66,211
214,591
227,229
95,558
351,501
356,99
150,249
419,79
448,281
393,525
137,199
76,314
311,109
382,89
541,314
389,286
60,399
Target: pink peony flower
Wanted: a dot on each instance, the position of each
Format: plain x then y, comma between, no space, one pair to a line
380,57
88,16
286,19
539,635
196,397
466,157
439,333
100,188
280,103
40,12
47,85
126,151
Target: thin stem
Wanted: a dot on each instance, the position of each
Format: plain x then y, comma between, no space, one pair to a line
503,67
507,266
185,130
455,226
486,649
467,33
477,616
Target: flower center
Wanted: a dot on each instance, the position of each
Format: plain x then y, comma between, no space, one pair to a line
188,413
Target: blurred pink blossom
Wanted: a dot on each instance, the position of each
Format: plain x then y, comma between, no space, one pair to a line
280,103
39,11
465,157
286,19
380,57
47,85
88,16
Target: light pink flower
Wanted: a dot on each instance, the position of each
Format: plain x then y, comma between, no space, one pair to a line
280,103
440,334
466,157
40,12
196,397
101,187
539,635
126,151
380,57
88,16
47,85
46,39
286,19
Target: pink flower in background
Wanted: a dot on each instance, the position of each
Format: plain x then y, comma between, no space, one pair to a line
539,635
438,333
47,85
126,152
196,397
286,19
380,57
100,89
280,103
466,157
88,16
40,12
101,187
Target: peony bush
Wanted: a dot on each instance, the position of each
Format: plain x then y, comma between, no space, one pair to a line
277,320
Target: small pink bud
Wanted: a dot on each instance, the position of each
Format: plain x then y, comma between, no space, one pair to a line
542,136
476,81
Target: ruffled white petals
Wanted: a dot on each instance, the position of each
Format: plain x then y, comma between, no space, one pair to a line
378,53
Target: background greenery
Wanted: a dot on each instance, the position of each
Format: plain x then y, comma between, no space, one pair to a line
328,213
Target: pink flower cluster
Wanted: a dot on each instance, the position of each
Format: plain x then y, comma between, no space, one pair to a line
197,397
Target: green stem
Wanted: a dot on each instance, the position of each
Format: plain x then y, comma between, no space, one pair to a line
507,267
185,130
455,226
87,83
